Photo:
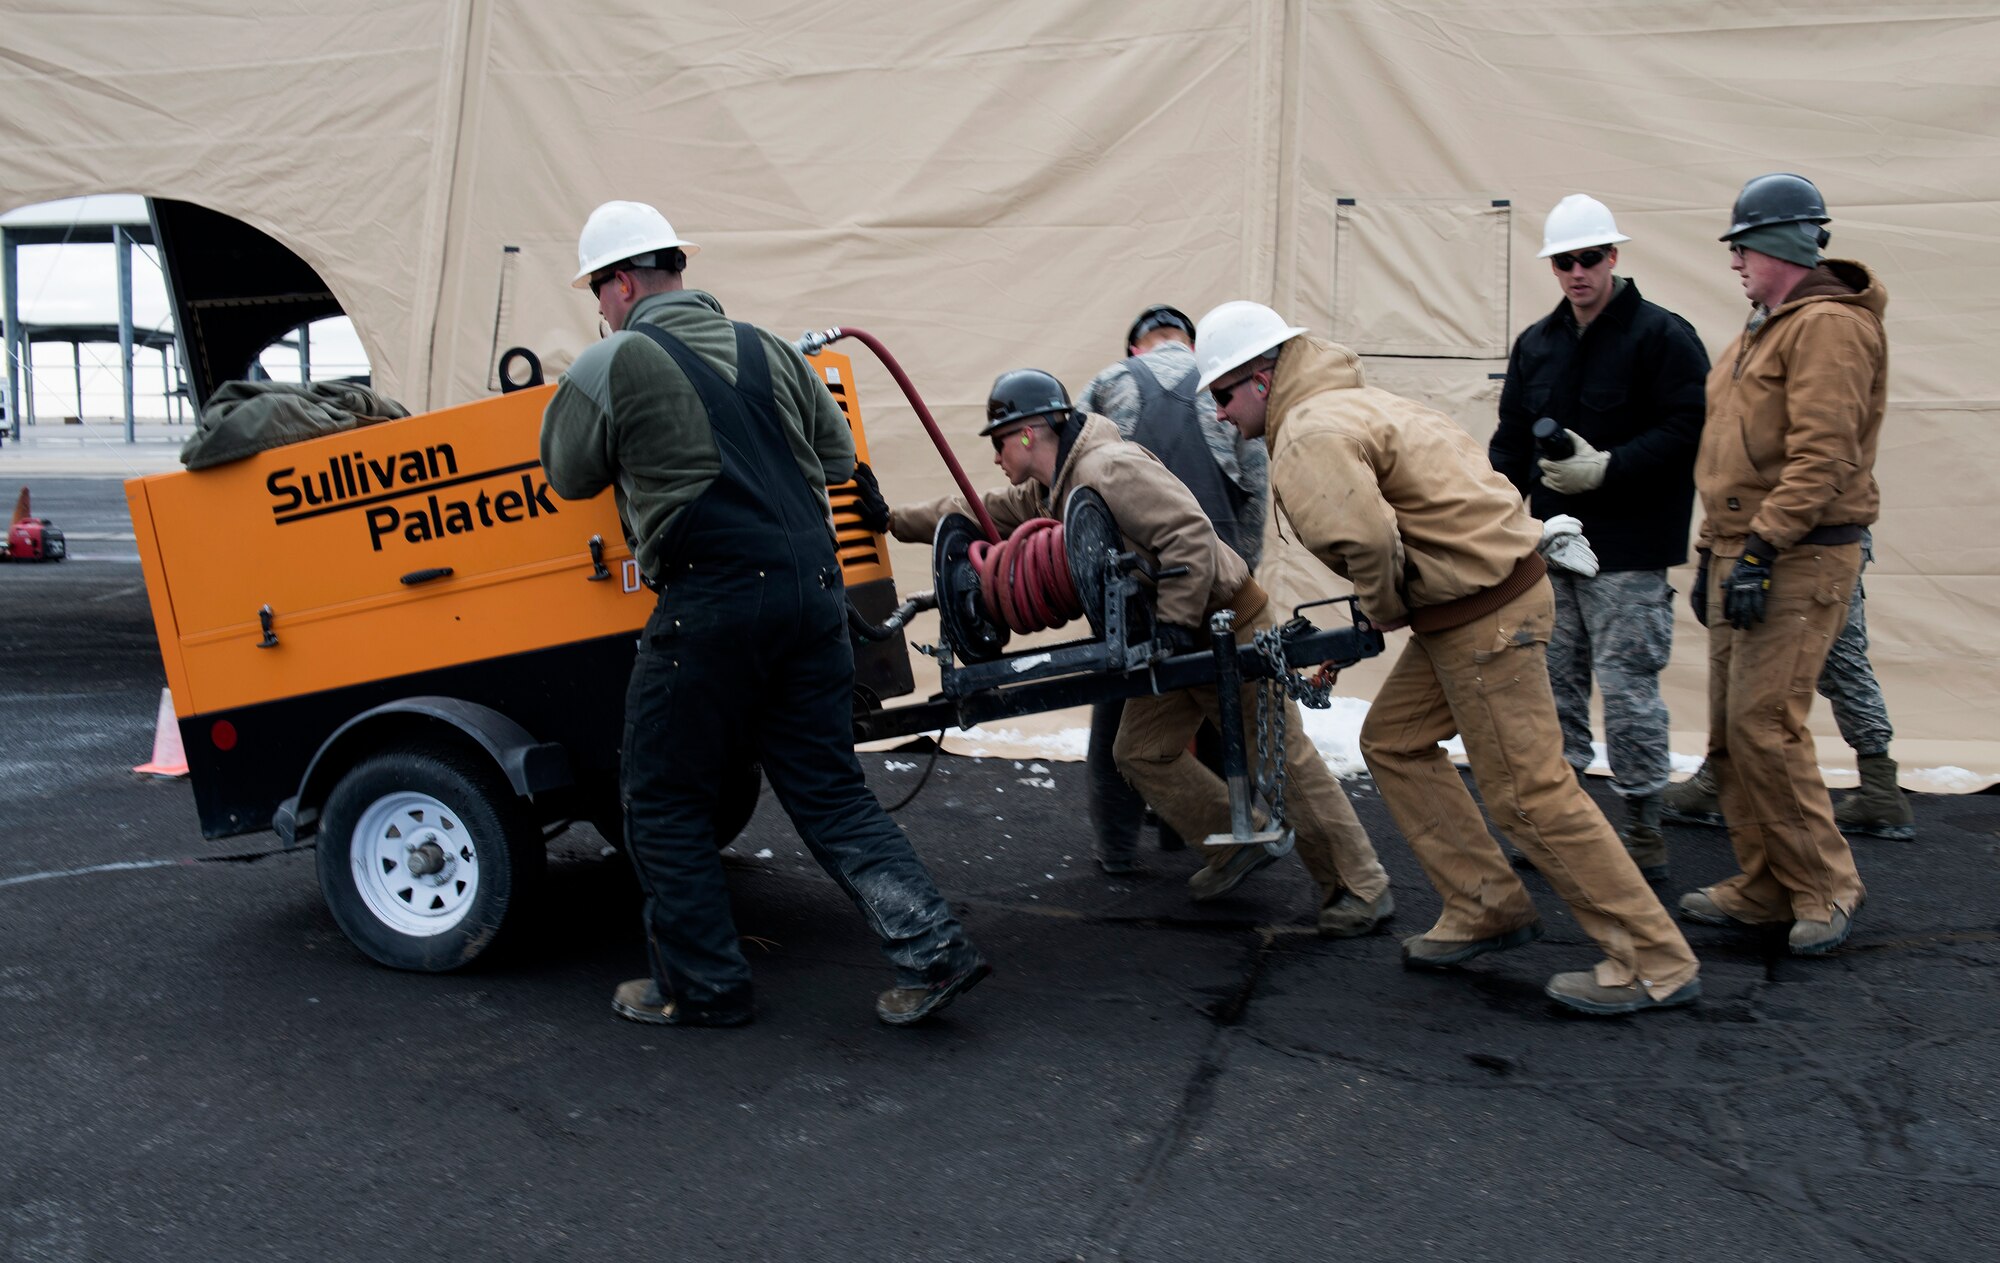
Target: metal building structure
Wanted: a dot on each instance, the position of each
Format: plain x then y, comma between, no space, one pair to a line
121,222
232,291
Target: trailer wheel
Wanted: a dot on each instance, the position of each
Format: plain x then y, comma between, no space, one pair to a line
426,857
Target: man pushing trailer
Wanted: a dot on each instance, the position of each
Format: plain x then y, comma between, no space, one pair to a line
1402,502
721,442
1048,449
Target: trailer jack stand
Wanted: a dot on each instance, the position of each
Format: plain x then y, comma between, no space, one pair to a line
1235,766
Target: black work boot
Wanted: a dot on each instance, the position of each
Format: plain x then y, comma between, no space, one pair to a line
1878,808
1642,837
1693,801
640,1001
904,1006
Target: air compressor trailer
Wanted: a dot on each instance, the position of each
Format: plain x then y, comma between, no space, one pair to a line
397,639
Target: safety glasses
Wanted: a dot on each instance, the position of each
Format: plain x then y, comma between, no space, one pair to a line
1589,259
600,281
1223,394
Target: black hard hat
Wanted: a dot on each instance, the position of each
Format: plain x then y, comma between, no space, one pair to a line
1023,395
1778,198
1159,316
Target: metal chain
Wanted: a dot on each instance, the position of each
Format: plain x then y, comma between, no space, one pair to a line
1270,645
1271,721
1270,770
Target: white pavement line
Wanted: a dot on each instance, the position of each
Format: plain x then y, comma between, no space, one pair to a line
123,866
115,593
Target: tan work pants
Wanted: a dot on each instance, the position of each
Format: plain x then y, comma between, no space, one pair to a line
1152,753
1796,866
1488,682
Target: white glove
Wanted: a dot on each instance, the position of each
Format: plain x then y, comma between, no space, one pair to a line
1583,471
1564,546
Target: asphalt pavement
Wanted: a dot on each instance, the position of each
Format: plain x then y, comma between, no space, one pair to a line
195,1064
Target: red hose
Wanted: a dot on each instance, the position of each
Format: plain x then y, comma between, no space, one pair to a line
924,415
1024,581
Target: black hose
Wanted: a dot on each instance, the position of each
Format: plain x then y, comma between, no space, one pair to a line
858,623
937,744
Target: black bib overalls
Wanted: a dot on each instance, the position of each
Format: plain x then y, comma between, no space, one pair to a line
746,659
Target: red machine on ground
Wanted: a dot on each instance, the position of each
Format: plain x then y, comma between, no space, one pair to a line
31,538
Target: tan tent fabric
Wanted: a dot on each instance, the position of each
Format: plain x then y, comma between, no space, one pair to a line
989,186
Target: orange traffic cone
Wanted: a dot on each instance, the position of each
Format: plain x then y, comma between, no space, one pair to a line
169,758
21,510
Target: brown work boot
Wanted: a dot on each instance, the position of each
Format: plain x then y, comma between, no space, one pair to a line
1582,993
1879,807
1421,951
1693,801
1696,906
1817,938
1642,837
1351,916
640,1001
1216,880
904,1006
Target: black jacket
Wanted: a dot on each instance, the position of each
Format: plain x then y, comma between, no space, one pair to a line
1633,386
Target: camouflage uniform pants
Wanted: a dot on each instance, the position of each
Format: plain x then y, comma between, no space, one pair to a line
1619,625
1848,681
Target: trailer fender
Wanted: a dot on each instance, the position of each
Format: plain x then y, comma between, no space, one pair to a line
531,767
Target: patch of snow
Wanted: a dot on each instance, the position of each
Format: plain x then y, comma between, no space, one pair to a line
1944,780
1068,744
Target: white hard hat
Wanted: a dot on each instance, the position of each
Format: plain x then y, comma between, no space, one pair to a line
1236,333
622,230
1579,221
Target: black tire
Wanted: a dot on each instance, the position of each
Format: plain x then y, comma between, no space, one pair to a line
397,814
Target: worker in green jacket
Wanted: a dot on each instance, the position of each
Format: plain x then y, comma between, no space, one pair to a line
720,442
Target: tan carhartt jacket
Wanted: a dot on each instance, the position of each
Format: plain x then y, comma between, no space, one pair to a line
1390,495
1157,515
1794,416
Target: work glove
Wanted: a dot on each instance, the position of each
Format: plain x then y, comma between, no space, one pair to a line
1581,472
1699,597
1177,639
869,505
1749,585
1564,547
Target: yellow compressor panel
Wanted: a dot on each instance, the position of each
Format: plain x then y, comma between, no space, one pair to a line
396,549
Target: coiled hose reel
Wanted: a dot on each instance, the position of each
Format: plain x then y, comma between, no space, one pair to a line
1031,581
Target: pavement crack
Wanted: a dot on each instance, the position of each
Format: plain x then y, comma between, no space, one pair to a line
1785,1187
1108,1233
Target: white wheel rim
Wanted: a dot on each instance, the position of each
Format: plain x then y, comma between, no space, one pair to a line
415,863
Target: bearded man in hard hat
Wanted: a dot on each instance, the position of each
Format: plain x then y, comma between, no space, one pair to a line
720,442
1787,480
1623,378
1402,502
1150,396
1047,449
